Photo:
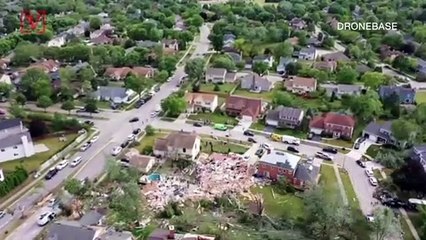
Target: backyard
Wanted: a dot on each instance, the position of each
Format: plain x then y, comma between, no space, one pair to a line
148,141
420,97
265,96
223,88
279,205
33,163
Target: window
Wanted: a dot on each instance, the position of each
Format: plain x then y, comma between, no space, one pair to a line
2,150
184,150
15,154
15,147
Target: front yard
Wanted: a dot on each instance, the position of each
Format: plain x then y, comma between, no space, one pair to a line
328,179
149,141
214,118
373,150
420,97
209,145
279,205
33,163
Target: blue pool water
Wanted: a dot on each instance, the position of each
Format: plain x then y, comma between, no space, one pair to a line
154,177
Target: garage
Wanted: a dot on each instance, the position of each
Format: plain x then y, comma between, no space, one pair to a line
369,136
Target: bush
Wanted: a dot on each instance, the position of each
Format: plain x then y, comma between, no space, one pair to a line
12,180
148,150
149,130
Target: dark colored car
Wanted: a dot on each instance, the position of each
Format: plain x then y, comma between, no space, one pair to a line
157,89
89,123
260,152
292,149
197,124
52,172
146,98
251,140
248,133
125,144
360,163
356,146
135,119
329,150
137,131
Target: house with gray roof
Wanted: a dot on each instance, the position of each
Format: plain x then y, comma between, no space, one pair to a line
236,57
111,234
342,89
255,83
268,59
381,132
306,175
15,140
284,117
406,95
308,53
113,94
336,56
215,75
419,153
93,218
282,65
71,231
229,40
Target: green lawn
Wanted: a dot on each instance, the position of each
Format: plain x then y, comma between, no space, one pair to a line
258,126
407,233
373,150
99,104
349,190
33,163
417,221
221,147
287,206
266,96
214,118
329,180
338,142
420,97
150,140
224,88
291,132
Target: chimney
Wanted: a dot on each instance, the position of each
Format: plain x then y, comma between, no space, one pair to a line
171,232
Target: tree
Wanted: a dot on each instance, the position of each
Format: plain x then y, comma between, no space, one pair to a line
44,102
195,68
216,88
410,177
135,83
173,106
24,53
260,68
95,23
20,99
282,98
5,90
293,68
385,225
404,130
346,75
390,158
373,79
74,187
68,106
91,105
284,49
217,41
168,64
224,62
420,113
366,106
17,111
328,43
38,128
42,87
86,74
149,130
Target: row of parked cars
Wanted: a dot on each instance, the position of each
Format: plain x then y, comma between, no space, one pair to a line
131,138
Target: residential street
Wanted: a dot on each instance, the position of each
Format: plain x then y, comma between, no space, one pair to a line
112,132
362,187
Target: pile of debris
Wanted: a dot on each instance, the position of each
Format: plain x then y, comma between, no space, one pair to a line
216,175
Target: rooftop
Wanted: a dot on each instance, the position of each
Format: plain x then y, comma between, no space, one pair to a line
281,158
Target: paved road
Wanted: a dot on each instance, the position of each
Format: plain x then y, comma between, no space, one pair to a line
362,187
113,132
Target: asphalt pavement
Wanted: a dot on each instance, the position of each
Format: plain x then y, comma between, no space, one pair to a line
112,133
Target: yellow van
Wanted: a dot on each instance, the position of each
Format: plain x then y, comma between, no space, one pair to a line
276,137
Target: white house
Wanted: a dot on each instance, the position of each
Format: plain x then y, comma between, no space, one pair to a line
198,102
4,78
57,42
178,145
215,75
15,140
113,94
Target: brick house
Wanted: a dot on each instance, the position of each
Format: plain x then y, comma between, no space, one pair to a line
333,124
249,108
276,164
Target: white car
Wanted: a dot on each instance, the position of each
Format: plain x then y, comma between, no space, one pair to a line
324,156
266,146
2,214
52,202
373,181
116,151
131,137
62,164
94,139
370,218
76,161
84,147
45,218
369,172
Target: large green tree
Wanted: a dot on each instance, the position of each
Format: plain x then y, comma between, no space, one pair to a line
195,68
346,75
173,106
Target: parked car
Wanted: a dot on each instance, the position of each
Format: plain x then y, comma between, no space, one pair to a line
45,218
76,161
85,146
330,150
155,114
139,103
53,202
137,131
323,156
197,124
369,172
266,146
357,145
135,119
2,213
62,164
116,150
252,140
94,139
248,133
260,152
292,149
131,137
370,218
51,173
89,123
360,163
373,181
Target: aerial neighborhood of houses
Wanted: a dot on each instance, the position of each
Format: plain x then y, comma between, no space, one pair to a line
203,120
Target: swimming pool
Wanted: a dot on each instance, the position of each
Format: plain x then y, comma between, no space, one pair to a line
154,177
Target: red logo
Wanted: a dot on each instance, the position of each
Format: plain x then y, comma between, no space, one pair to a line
35,25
